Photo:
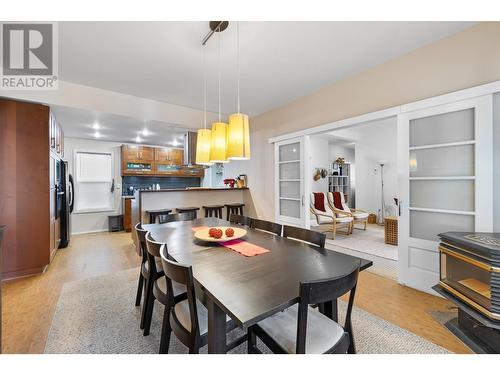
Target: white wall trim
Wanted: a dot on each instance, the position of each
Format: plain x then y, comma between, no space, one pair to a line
89,232
469,93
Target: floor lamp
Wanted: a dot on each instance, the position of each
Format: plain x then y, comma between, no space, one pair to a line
382,212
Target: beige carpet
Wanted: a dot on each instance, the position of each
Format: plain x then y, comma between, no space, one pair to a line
98,315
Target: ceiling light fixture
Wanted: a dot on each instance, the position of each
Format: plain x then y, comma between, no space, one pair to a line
138,139
97,134
96,126
145,132
238,137
218,147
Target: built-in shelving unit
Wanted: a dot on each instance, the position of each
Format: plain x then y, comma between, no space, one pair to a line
340,180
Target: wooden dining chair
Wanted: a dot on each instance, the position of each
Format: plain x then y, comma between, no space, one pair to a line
240,219
144,270
157,289
187,318
302,329
184,216
304,235
266,226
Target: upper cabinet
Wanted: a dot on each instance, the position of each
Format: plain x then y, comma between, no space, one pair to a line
56,136
137,160
157,161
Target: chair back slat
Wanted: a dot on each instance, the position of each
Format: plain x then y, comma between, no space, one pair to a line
141,236
183,274
305,235
184,216
240,219
153,246
266,226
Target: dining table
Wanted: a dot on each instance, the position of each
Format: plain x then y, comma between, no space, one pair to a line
249,288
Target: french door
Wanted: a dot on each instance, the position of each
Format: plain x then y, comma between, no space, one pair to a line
290,198
445,178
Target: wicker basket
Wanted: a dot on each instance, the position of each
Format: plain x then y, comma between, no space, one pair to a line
372,219
391,230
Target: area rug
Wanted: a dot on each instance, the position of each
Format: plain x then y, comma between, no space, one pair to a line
98,315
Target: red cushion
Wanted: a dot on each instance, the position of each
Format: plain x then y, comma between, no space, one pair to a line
319,201
337,200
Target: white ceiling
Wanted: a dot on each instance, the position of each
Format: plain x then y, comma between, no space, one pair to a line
79,123
280,61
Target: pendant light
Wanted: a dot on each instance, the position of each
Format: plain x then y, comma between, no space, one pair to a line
204,139
218,149
238,138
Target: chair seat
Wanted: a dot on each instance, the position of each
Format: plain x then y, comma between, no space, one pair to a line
322,333
178,288
181,311
343,219
360,215
324,219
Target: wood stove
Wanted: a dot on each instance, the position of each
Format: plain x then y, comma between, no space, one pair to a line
470,278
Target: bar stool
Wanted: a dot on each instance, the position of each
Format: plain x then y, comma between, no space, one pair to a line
153,214
188,209
234,208
213,210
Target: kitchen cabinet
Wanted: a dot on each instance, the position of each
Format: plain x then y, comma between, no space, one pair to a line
137,160
168,161
127,214
25,185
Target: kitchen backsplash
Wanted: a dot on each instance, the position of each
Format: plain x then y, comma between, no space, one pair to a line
143,182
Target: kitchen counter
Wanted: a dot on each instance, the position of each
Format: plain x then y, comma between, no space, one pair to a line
191,189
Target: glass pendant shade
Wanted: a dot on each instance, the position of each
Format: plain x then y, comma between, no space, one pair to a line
238,137
218,152
203,145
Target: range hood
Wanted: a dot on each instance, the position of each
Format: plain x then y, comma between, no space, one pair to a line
190,139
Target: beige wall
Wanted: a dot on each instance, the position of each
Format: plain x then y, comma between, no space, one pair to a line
466,59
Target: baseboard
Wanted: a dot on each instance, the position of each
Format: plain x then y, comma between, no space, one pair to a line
90,231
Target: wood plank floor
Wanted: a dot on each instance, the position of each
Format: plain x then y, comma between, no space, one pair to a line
29,303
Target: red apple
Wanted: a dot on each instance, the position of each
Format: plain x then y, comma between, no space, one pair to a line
212,231
218,233
229,232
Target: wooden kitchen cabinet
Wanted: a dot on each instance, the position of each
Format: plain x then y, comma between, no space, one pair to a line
137,160
168,160
127,214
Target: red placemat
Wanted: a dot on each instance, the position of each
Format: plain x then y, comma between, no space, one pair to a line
244,248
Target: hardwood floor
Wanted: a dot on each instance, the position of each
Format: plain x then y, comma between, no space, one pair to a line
29,303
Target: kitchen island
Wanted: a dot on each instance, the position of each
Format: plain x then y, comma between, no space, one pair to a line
188,197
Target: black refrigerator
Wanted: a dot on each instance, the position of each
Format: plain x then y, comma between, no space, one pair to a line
65,198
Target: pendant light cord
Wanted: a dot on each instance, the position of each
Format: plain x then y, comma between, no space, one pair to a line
219,74
204,87
238,59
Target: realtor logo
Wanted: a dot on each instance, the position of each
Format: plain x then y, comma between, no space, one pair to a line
29,58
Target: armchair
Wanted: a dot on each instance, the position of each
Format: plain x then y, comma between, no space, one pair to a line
337,218
337,201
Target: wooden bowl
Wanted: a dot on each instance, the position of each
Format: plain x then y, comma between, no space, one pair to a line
202,234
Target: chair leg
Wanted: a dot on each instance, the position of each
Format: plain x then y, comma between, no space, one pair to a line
366,221
334,232
147,292
166,330
139,289
251,341
149,313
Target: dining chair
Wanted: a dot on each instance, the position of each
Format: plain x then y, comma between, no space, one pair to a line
145,279
302,329
188,317
158,289
239,219
304,235
266,226
184,216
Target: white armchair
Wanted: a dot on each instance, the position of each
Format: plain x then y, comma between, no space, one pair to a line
358,216
336,218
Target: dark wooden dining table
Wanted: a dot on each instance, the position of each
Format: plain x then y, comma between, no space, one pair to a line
249,289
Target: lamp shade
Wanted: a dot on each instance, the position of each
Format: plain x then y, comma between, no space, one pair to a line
203,145
238,137
218,152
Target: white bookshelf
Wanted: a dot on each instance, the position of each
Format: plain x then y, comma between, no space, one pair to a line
341,181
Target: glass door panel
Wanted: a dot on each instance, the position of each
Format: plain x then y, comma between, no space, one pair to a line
443,194
442,161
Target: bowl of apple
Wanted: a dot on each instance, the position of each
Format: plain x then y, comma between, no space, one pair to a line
219,234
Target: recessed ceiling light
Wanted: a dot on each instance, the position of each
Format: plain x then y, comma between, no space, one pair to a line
175,143
138,139
145,132
97,134
96,126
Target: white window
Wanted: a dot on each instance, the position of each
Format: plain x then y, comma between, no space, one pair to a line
94,182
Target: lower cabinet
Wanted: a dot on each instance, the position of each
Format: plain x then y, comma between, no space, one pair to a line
127,214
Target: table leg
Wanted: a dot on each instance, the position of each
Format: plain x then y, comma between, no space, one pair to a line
216,328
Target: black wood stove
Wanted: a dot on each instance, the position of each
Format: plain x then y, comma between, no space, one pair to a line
470,278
